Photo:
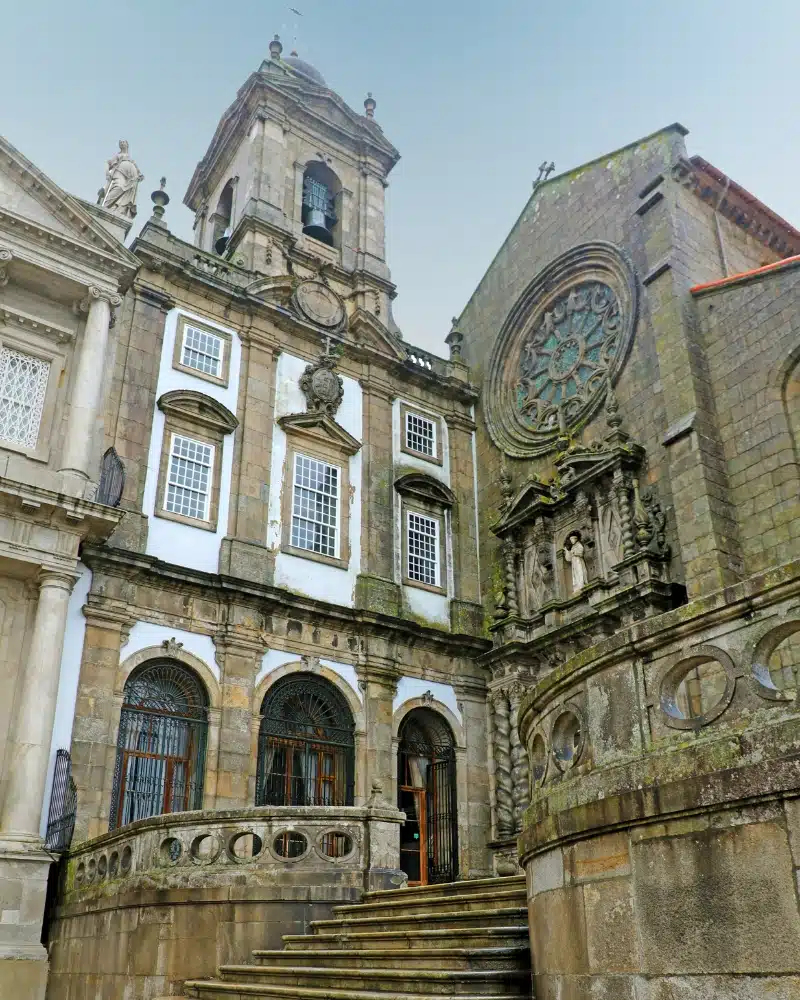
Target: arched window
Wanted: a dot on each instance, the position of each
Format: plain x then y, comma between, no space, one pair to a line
161,746
306,745
321,188
426,792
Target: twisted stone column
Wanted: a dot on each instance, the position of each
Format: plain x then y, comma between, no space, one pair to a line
503,795
520,776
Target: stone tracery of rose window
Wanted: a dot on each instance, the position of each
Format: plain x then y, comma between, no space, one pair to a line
568,356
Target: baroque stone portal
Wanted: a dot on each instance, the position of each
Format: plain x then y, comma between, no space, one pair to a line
565,338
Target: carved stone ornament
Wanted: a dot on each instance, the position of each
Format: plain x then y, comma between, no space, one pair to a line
5,259
322,387
562,345
171,646
319,304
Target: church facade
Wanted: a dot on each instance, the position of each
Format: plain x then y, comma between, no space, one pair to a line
295,609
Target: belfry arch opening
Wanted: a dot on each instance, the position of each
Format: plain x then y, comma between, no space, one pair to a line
426,792
222,219
321,191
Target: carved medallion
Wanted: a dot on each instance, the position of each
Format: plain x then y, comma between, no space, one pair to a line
319,304
564,342
322,387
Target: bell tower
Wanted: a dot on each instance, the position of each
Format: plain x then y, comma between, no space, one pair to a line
292,172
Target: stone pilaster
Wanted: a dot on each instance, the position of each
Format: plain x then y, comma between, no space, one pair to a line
462,481
97,710
239,657
378,684
87,386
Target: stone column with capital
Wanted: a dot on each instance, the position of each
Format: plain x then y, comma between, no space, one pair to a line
28,750
239,657
503,787
24,865
87,386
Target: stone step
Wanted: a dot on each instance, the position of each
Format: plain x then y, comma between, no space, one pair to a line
498,958
399,940
215,989
427,982
409,921
402,902
475,885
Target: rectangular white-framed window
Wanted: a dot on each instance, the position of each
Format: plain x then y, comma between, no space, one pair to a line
315,506
202,351
422,544
23,389
189,477
420,434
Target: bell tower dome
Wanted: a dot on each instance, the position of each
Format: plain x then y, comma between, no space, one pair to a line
293,170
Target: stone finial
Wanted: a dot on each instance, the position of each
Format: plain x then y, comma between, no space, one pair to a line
275,48
160,200
369,106
613,419
506,488
454,340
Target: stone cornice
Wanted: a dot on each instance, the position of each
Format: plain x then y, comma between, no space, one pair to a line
273,600
34,324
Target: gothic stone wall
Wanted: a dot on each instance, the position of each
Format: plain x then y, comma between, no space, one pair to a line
662,851
630,199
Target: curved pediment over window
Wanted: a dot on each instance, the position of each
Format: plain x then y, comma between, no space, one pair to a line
200,409
427,488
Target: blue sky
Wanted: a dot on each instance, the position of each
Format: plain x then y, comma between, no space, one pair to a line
474,95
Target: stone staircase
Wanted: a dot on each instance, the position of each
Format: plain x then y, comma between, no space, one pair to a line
464,939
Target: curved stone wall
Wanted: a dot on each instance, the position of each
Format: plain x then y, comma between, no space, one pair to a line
173,897
662,842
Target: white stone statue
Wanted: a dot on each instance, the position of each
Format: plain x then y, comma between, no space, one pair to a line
573,553
122,182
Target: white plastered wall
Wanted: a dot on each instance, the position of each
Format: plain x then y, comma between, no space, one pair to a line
182,544
431,607
307,576
409,688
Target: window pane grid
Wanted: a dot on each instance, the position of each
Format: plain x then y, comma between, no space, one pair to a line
315,508
202,351
23,384
420,434
423,549
189,477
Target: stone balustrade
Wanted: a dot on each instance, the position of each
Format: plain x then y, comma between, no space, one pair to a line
264,844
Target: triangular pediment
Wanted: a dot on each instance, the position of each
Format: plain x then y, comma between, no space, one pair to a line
321,429
28,193
368,331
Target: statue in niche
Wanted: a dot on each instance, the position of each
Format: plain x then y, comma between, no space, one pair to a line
574,553
122,183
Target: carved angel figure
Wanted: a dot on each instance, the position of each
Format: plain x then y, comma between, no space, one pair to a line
122,183
574,554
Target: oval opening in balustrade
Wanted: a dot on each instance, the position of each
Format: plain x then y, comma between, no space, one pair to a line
80,874
538,757
170,851
336,844
290,844
205,849
113,865
696,691
567,739
91,870
126,860
102,866
244,846
776,666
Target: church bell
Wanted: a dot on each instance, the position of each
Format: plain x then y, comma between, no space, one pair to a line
318,215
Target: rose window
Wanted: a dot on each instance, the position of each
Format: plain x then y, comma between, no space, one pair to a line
563,342
567,357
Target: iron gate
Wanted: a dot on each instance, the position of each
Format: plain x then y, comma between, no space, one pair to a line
63,805
435,767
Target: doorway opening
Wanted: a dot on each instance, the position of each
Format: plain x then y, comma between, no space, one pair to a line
426,792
